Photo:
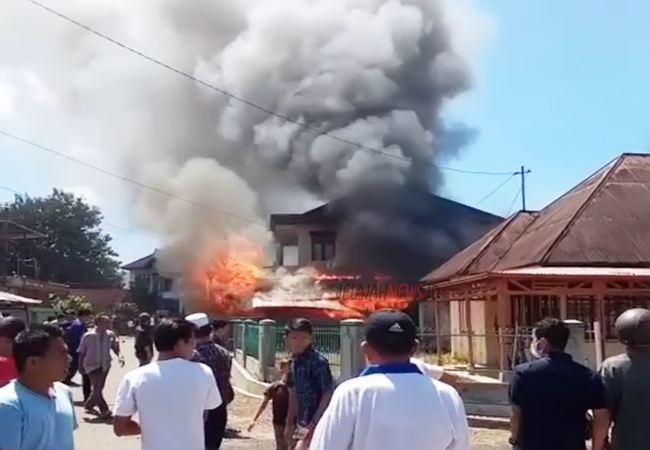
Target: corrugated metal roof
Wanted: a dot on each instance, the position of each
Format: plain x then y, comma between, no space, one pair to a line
13,298
603,221
615,272
485,253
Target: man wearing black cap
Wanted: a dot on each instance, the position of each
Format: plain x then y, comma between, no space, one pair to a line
392,404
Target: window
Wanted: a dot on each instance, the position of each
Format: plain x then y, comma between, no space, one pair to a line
141,281
527,310
166,284
582,308
323,246
615,305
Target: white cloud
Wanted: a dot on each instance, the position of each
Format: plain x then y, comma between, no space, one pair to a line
89,195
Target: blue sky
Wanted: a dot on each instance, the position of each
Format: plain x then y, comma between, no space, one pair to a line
561,89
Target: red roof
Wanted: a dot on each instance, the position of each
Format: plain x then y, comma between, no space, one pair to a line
603,221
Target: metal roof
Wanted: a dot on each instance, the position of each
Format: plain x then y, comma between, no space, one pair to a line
603,221
596,272
435,206
7,297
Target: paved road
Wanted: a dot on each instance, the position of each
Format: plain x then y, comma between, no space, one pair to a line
94,435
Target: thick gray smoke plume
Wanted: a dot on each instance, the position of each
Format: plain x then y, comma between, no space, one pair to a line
373,72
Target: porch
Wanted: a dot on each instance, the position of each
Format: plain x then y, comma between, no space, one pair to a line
492,314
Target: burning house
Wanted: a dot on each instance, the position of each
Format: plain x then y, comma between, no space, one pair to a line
324,101
356,247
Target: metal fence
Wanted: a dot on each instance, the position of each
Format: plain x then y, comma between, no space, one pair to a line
252,340
327,340
491,353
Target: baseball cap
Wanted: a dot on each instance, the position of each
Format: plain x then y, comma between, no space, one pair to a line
391,332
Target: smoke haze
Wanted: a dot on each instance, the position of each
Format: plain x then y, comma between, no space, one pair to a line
377,73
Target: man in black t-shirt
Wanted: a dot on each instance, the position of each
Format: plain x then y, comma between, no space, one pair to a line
552,395
144,339
278,394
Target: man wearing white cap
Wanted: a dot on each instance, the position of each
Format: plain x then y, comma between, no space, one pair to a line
218,360
170,396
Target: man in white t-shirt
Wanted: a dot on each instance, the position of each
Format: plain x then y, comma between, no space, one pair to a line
439,373
392,404
170,395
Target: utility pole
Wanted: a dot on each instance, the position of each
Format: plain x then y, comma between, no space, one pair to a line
522,173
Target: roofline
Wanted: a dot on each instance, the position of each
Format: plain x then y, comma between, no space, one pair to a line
483,249
613,165
509,275
297,217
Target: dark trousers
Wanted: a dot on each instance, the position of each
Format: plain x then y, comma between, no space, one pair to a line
215,427
97,382
74,367
85,386
72,371
280,439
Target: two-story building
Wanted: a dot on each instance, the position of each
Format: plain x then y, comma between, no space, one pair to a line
163,289
315,239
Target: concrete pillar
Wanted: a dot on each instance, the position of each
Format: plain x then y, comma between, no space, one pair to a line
352,359
266,348
577,345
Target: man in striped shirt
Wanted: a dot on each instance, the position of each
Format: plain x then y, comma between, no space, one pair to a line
219,361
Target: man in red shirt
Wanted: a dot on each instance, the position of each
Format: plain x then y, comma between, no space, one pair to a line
10,327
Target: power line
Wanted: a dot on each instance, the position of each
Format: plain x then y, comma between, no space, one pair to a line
123,178
514,200
494,191
243,100
117,227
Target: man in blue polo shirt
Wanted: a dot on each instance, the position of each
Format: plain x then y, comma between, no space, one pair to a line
552,395
36,410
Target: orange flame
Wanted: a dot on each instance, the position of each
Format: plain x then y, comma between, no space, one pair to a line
232,273
230,276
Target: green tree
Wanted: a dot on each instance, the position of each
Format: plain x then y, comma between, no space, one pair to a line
72,302
127,310
74,249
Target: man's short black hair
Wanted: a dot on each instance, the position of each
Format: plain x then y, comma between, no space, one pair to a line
302,325
84,312
34,342
218,324
170,332
202,332
10,327
70,312
555,331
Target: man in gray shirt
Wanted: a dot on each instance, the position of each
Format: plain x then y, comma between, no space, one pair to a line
95,362
627,382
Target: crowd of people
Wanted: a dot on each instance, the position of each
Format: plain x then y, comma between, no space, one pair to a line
180,399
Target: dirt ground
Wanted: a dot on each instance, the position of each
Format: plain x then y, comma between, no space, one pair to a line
94,435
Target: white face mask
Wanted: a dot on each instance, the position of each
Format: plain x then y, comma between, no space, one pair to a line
534,351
